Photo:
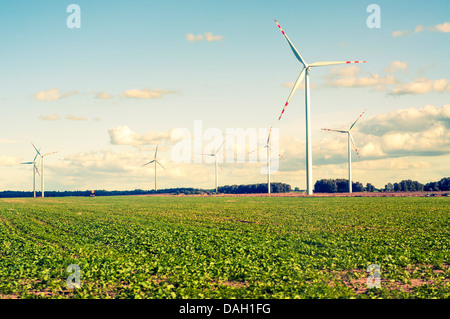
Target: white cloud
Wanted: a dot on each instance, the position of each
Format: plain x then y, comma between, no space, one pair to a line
208,37
102,95
443,27
422,85
194,38
123,135
53,95
76,118
9,161
146,93
396,66
53,117
347,76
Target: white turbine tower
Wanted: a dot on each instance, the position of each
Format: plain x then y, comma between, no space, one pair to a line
269,148
349,149
305,74
42,167
215,158
156,162
35,169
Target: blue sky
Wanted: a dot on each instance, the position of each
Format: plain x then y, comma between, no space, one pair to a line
131,65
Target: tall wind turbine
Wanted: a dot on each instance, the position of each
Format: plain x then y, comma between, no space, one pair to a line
35,169
349,149
269,148
156,162
42,167
215,158
305,74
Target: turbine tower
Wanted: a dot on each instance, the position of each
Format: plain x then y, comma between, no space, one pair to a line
42,167
305,74
35,169
349,149
215,159
269,148
156,162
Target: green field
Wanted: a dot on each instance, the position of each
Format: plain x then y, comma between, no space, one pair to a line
225,247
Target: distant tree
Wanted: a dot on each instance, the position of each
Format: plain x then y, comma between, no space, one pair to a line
325,186
389,187
396,187
357,187
369,187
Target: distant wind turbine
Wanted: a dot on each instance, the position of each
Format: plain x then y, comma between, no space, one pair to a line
305,74
156,162
35,169
269,148
349,140
42,167
215,158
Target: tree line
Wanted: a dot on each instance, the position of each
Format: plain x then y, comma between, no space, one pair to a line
407,185
321,186
254,188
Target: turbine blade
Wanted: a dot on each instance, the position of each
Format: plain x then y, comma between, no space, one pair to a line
49,154
220,146
353,143
297,83
37,171
27,163
325,63
297,54
160,164
357,120
148,163
257,149
279,155
156,151
329,129
268,138
35,148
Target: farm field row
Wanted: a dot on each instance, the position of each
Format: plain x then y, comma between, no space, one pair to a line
225,247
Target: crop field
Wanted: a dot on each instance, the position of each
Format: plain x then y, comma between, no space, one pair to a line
225,247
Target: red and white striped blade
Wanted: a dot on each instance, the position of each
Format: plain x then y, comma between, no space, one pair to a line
325,63
279,155
357,120
297,83
353,143
36,148
220,146
329,129
268,138
257,149
297,54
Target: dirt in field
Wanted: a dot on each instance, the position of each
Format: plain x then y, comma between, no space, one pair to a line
360,286
294,194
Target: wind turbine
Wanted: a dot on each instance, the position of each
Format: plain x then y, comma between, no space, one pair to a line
215,159
42,167
305,74
35,169
269,148
349,140
156,162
